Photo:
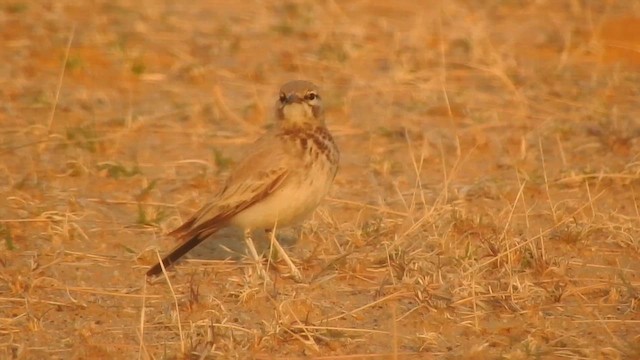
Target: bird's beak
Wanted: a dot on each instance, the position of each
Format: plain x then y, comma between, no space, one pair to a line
294,98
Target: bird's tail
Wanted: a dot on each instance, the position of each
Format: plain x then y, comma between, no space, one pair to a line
195,236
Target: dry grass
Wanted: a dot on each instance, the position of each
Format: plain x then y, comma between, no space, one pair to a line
486,206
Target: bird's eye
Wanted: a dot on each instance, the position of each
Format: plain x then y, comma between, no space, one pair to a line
311,96
283,98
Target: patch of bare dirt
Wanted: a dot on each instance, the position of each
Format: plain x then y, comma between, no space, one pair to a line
486,206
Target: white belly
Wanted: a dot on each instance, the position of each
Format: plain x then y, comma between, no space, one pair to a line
289,205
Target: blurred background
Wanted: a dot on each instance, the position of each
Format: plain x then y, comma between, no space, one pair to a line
485,207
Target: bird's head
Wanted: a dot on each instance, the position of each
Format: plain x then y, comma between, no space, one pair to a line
299,104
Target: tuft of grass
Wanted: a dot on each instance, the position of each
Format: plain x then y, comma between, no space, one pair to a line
333,51
138,68
17,7
74,63
284,28
488,183
116,170
222,162
144,193
5,234
571,233
150,216
84,137
75,169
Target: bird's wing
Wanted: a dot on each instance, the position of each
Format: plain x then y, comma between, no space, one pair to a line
254,178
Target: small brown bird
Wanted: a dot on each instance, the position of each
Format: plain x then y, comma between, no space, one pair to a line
280,182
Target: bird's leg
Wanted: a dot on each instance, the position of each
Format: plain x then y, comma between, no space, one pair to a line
253,253
295,273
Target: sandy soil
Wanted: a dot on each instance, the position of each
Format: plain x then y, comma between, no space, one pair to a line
486,206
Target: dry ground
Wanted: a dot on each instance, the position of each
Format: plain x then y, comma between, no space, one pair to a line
486,206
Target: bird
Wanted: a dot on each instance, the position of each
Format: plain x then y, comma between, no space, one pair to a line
279,182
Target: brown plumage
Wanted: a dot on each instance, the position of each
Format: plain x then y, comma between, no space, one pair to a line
279,183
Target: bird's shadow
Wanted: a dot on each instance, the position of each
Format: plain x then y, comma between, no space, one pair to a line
229,243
